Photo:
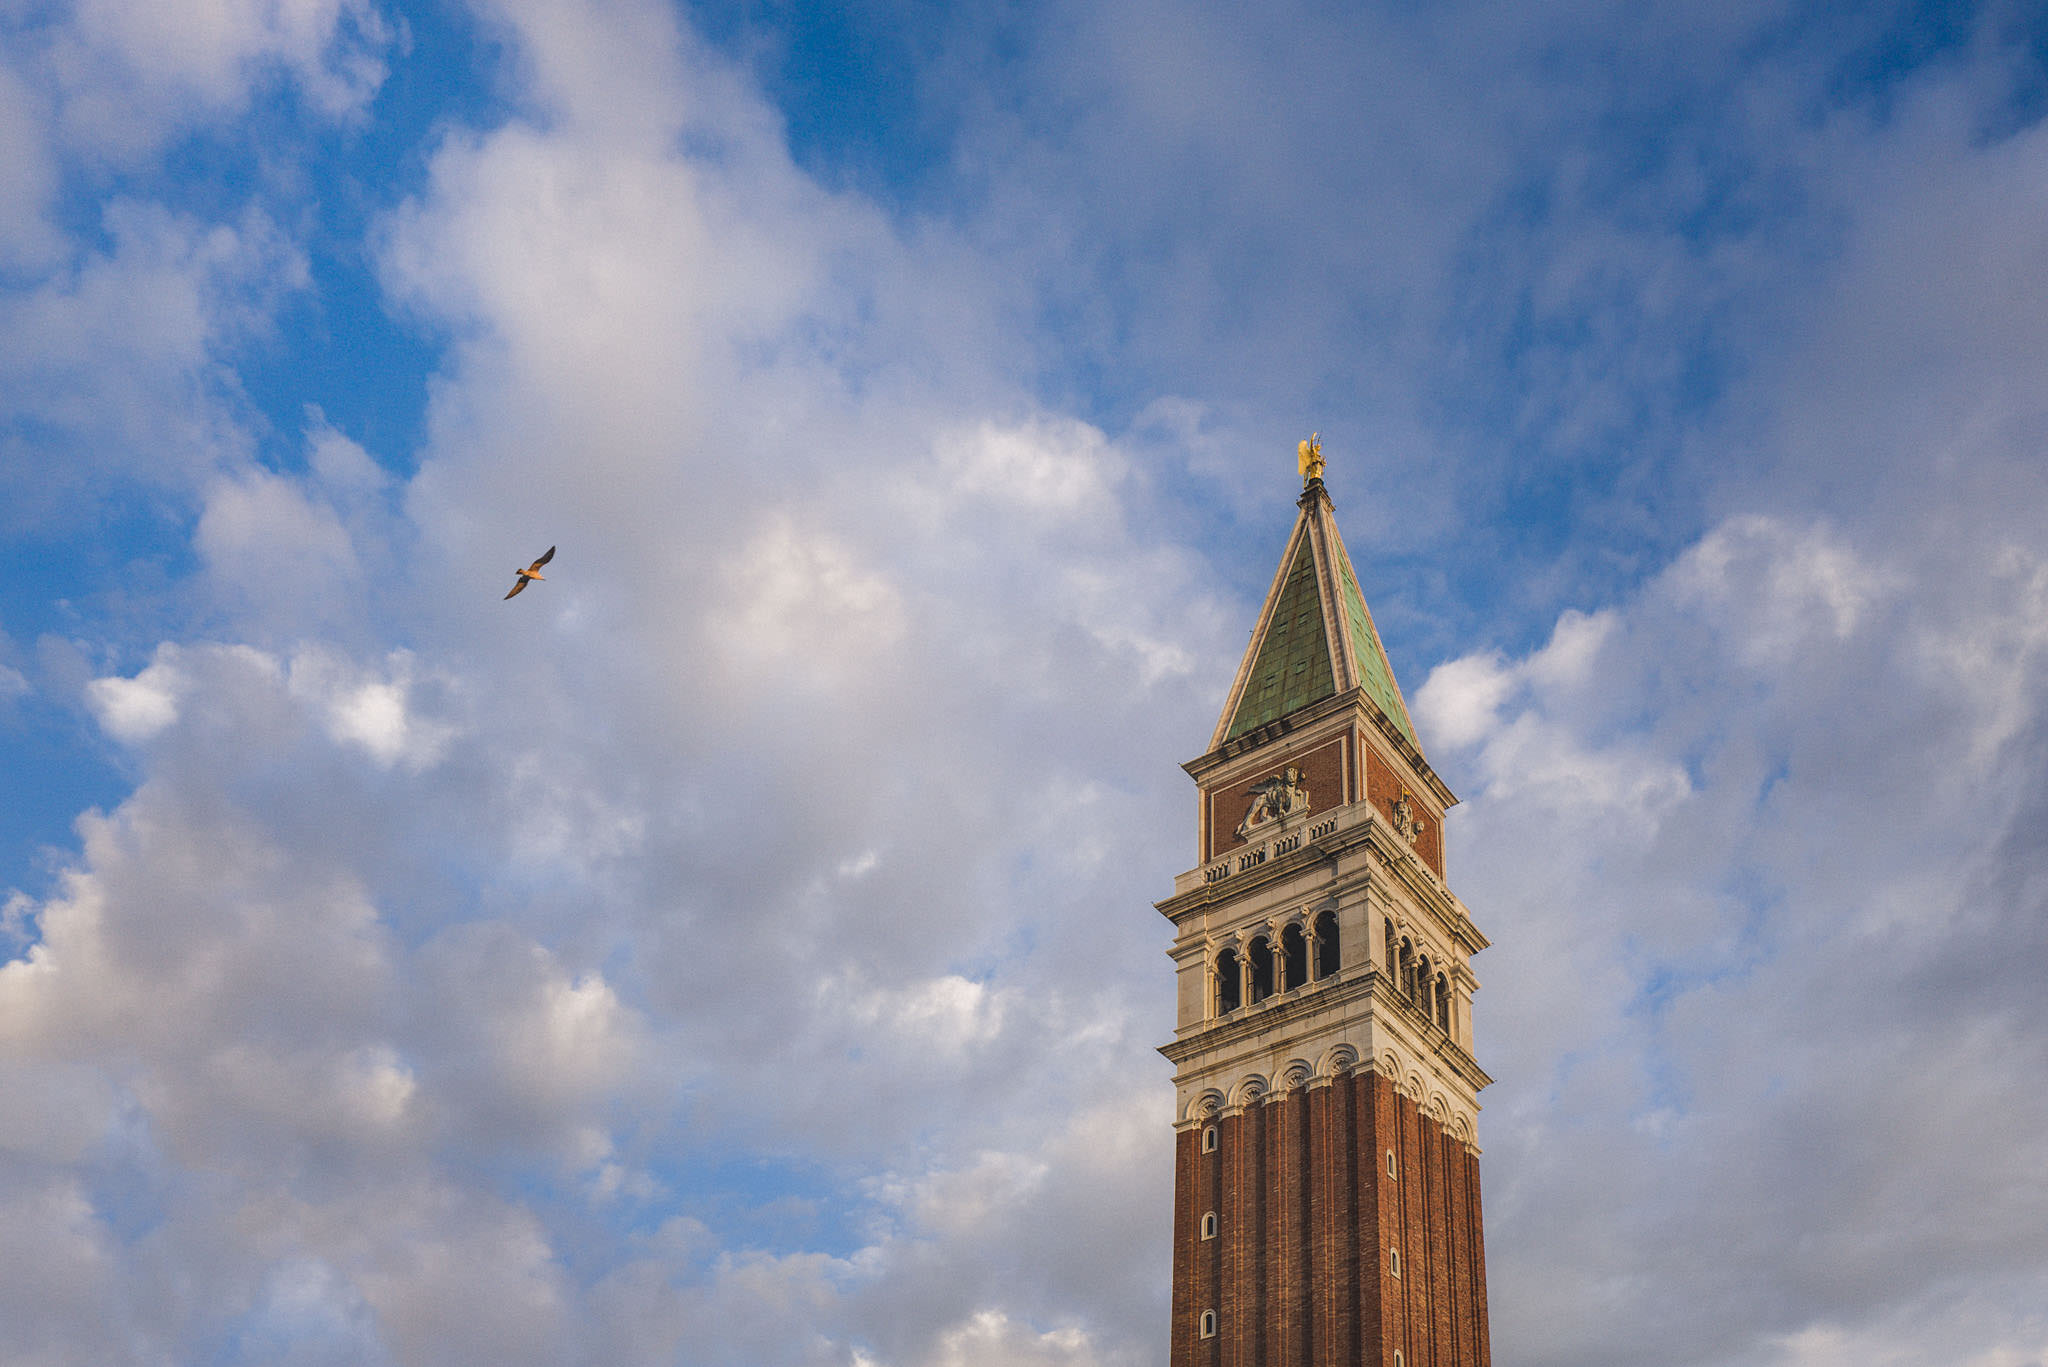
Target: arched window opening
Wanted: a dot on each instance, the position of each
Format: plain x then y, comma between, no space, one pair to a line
1260,953
1423,978
1326,944
1293,957
1209,1225
1229,982
1208,1324
1209,1139
1394,1261
1393,952
1443,1004
1407,970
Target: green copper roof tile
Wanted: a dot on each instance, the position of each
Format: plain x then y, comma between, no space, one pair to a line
1375,674
1293,667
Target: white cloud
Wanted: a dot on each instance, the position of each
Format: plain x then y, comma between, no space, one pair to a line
1781,587
1052,468
374,708
1992,660
60,1111
1690,842
800,605
28,176
1459,703
135,709
283,1049
114,353
990,1338
267,542
58,1264
129,75
948,1015
113,330
1996,1326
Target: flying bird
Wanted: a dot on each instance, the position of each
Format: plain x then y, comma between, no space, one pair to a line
531,572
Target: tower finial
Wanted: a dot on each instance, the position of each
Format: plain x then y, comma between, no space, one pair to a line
1311,453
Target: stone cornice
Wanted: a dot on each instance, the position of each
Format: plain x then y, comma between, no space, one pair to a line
1352,702
1360,996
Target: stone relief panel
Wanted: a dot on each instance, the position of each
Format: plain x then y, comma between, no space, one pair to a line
1405,810
1312,780
1273,798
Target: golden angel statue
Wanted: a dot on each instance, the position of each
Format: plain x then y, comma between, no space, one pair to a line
1311,452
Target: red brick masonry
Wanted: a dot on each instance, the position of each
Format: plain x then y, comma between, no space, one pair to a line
1300,1272
1322,773
1383,787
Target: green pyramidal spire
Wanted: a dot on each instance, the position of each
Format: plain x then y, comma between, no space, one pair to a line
1315,637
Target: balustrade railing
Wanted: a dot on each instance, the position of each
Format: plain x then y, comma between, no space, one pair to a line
1249,857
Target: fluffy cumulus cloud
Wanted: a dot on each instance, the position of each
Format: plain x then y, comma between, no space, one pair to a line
737,949
1764,839
122,306
1775,954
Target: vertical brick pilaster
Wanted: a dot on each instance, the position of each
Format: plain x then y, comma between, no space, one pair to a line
1236,1233
1457,1252
1369,1324
1324,1203
1414,1196
1182,1337
1392,1300
1421,1279
1345,1147
1244,1312
1259,1289
1483,1354
1367,1163
1435,1144
1209,1252
1301,1294
1301,1187
1281,1206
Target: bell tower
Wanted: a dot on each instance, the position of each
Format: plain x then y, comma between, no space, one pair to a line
1326,1174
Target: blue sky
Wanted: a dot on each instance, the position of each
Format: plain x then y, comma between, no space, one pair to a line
739,947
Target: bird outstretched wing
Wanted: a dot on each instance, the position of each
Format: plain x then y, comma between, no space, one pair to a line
531,573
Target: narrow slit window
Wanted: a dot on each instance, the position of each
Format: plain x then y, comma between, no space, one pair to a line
1394,1261
1208,1324
1209,1139
1392,1171
1209,1225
